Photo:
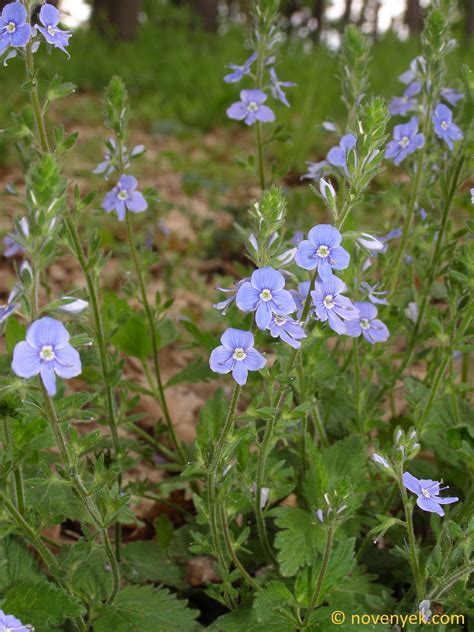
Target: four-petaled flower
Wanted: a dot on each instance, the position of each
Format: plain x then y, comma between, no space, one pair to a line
277,85
46,352
289,330
331,305
124,197
368,325
337,156
9,623
239,71
14,29
406,140
265,293
428,493
49,17
322,250
444,126
236,354
251,108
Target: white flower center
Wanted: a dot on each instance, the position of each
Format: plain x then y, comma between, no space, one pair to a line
252,106
365,323
280,320
51,30
329,301
444,125
239,354
122,195
404,142
425,493
266,295
47,353
11,27
323,252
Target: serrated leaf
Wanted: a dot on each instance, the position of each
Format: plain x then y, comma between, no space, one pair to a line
147,562
145,609
16,564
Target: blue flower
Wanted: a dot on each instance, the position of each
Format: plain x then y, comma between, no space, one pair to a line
451,95
7,310
413,89
337,156
49,17
265,293
374,293
322,250
238,72
331,305
224,306
46,352
444,126
14,30
428,493
315,170
277,85
399,106
367,324
9,623
251,108
236,354
289,330
124,197
406,140
472,195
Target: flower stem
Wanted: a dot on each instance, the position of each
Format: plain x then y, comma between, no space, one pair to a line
82,492
357,389
414,563
233,555
261,163
40,126
154,342
321,575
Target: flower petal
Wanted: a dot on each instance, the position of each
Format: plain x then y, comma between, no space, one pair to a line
247,297
49,15
306,255
47,331
26,360
14,12
254,360
49,378
429,504
239,373
268,279
237,339
221,360
412,483
325,235
237,111
263,315
67,363
137,203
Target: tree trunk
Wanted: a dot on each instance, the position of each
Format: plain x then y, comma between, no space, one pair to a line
413,16
318,13
346,18
118,18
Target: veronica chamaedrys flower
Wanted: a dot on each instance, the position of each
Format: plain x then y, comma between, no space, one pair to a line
331,305
322,250
223,306
14,30
367,324
251,108
315,170
49,17
7,310
413,89
287,329
9,623
452,96
417,64
444,127
406,140
425,610
380,460
399,106
428,493
337,156
277,85
46,352
124,197
12,247
236,354
72,305
375,295
238,72
265,293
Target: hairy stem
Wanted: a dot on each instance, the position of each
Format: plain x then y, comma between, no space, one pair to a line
232,553
321,575
154,342
414,562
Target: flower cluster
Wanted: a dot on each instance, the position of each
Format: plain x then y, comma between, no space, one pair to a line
16,32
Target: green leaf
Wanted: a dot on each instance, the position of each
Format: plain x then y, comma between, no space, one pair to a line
16,564
133,338
146,561
42,605
14,333
197,371
145,609
300,540
274,596
166,333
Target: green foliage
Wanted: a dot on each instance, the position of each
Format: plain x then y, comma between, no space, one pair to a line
145,609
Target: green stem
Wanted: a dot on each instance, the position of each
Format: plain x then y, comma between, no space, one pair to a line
449,581
154,342
82,491
232,553
30,68
321,575
357,389
319,423
18,471
385,508
261,163
414,563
